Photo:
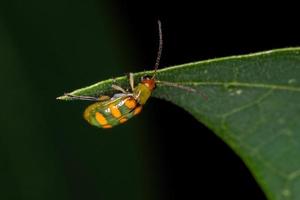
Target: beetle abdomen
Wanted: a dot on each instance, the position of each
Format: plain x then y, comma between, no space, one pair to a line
111,113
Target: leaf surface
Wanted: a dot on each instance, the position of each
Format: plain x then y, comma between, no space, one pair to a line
253,105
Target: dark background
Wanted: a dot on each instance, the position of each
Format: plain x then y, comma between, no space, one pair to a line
48,47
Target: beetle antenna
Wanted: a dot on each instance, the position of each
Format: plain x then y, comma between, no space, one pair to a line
159,49
183,87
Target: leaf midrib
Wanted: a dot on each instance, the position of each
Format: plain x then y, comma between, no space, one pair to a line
243,84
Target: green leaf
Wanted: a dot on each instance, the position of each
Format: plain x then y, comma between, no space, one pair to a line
253,105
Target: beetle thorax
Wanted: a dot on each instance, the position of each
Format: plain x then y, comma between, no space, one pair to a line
142,93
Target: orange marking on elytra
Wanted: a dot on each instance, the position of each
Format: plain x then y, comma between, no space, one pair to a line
101,119
123,120
137,110
107,126
115,111
130,103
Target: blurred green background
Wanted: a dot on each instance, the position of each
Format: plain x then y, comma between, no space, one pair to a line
48,151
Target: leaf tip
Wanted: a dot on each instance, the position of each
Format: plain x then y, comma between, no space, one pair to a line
64,97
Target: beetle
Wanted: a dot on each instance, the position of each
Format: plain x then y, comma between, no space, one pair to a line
108,112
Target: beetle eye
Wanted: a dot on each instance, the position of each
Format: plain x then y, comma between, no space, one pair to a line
146,77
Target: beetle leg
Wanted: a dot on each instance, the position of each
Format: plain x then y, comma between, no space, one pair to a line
116,87
136,96
78,97
103,98
131,81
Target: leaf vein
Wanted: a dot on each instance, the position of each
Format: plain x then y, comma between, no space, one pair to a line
244,84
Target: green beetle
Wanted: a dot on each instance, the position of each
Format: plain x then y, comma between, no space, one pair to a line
108,112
